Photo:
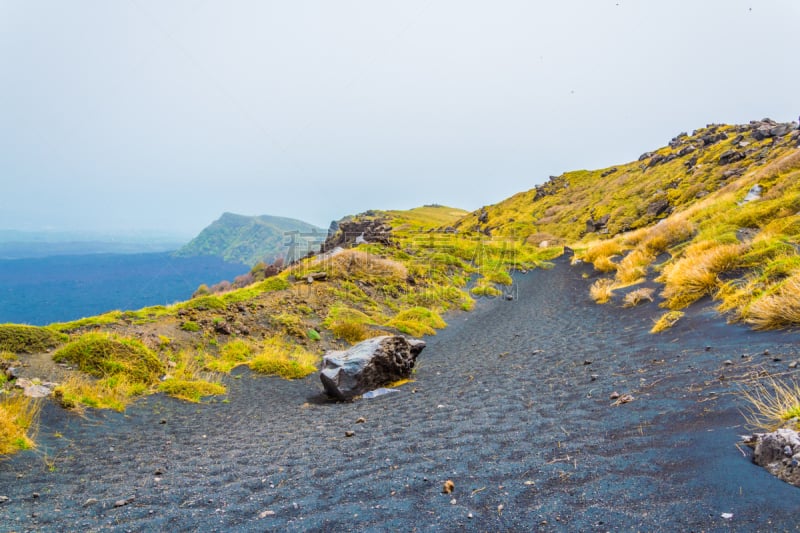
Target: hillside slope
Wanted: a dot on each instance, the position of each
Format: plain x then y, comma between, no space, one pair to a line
246,239
639,193
713,214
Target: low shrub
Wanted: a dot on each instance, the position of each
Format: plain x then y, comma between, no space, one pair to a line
19,338
105,354
350,331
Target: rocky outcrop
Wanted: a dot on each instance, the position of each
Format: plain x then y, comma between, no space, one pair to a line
730,156
368,365
364,228
779,453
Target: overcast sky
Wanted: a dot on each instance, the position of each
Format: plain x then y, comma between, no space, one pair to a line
146,114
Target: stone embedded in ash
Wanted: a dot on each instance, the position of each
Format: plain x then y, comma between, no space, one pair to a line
779,453
368,365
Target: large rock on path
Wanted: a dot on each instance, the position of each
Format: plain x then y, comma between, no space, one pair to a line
368,365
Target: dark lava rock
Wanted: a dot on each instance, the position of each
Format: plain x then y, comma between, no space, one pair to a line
483,218
730,156
597,225
369,365
350,231
657,207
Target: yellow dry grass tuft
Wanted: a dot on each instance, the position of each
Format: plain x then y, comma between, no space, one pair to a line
599,253
633,267
602,290
772,403
695,274
78,392
634,298
778,309
18,416
667,320
356,264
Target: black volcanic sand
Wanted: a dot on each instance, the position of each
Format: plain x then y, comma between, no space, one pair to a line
530,441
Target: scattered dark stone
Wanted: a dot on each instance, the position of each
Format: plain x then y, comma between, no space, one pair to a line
483,217
657,207
123,503
655,160
691,162
646,155
730,156
780,130
608,172
223,327
369,365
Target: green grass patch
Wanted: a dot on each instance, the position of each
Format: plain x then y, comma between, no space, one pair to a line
417,321
191,390
19,338
105,354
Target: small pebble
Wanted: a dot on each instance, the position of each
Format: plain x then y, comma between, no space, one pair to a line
453,501
448,487
594,377
614,395
727,362
469,515
349,433
793,364
4,499
361,420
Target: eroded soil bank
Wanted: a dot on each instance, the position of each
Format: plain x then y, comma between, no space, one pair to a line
511,402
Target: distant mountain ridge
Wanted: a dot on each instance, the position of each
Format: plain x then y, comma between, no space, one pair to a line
246,239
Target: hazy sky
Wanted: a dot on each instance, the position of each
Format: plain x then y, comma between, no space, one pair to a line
147,114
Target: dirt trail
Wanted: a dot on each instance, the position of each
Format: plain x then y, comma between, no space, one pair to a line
504,405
